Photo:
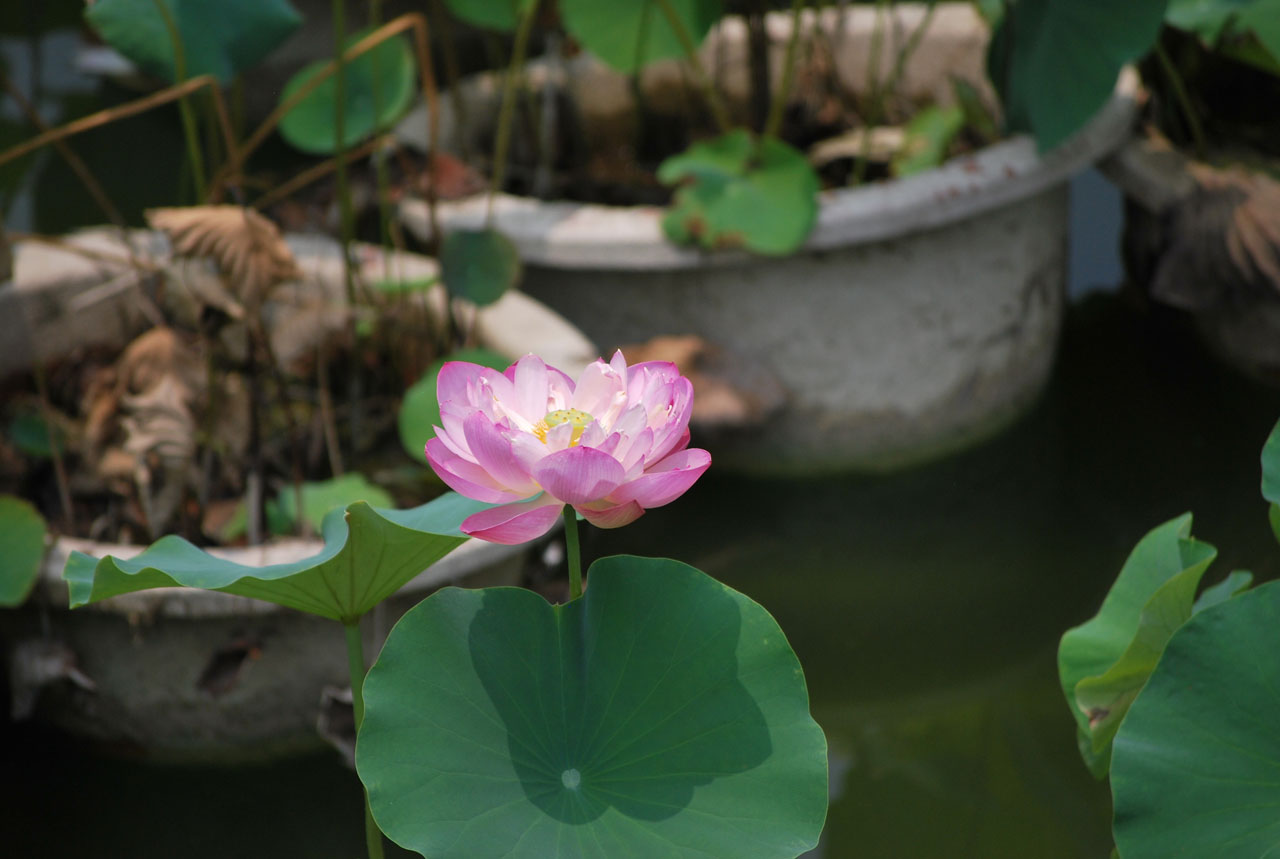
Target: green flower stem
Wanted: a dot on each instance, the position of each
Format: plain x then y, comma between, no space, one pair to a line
1183,98
777,107
355,663
194,152
506,114
718,110
573,551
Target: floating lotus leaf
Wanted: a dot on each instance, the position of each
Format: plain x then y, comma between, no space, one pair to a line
1104,662
22,533
368,555
1196,767
220,39
661,714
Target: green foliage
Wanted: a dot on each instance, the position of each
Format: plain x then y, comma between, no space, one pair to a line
1055,63
1197,764
318,499
492,14
29,433
367,556
1104,663
309,125
220,39
479,265
741,192
626,34
1236,582
928,136
661,714
420,410
22,536
1248,30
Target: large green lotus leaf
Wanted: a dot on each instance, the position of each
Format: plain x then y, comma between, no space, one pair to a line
627,34
740,192
220,39
661,714
368,555
479,265
1196,768
420,408
1093,648
309,125
493,14
22,533
1055,63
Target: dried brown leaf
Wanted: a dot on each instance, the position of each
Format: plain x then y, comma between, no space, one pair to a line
248,248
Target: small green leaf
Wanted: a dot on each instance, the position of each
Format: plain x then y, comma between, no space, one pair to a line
1236,582
740,192
318,498
220,39
479,265
492,14
627,34
1196,768
309,125
661,714
367,556
1055,63
420,409
977,115
1128,614
928,136
22,536
30,434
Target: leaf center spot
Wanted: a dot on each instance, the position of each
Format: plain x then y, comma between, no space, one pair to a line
571,778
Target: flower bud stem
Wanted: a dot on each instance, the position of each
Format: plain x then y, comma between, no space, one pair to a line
572,551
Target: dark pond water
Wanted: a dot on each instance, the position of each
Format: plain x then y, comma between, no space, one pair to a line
925,607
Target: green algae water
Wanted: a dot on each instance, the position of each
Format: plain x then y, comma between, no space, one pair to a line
925,607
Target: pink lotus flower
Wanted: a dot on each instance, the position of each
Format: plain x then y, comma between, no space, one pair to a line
612,445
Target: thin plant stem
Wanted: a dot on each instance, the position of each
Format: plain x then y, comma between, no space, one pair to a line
778,106
318,171
909,47
573,551
111,114
1183,98
380,164
189,130
355,664
91,184
718,110
507,112
55,449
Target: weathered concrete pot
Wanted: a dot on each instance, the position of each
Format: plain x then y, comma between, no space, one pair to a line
181,673
922,314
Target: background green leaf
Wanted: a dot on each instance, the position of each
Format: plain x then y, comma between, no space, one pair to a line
1248,30
1235,582
220,39
928,136
309,125
479,265
420,408
662,714
318,499
626,34
1093,648
22,535
492,14
30,434
740,192
1055,63
1196,768
368,555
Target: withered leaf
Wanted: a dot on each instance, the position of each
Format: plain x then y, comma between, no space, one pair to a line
247,248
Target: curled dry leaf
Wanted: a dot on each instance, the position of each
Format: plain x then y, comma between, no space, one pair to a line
1222,241
248,248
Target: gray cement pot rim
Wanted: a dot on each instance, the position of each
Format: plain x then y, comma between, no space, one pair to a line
50,590
591,236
